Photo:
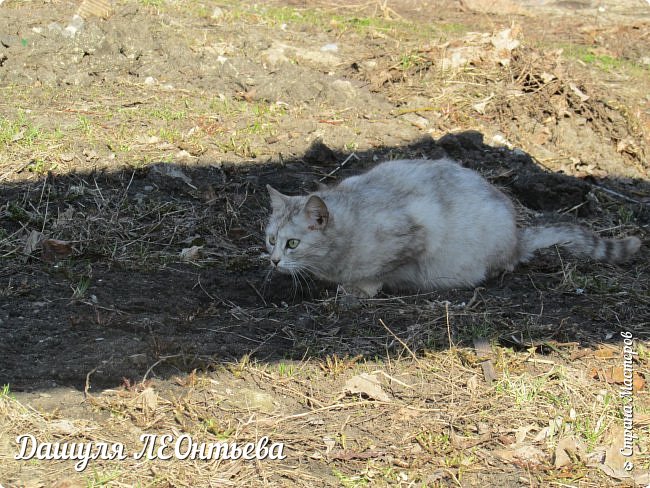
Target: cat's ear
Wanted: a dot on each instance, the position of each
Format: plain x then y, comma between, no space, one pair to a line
278,200
316,213
322,186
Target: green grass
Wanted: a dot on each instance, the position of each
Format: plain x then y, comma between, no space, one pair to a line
286,369
327,21
102,478
19,131
166,113
153,3
353,481
84,125
604,62
523,389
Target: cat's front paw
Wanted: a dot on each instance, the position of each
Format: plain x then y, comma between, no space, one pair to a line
362,290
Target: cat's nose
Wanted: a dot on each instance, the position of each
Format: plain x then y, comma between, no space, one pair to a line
275,262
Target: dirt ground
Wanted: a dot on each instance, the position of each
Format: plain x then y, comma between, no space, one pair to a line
135,147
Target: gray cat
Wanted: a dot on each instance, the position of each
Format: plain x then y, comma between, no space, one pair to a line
415,224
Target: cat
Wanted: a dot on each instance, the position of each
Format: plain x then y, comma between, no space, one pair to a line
417,224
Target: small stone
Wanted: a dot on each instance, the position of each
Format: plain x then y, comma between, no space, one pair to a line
217,13
417,120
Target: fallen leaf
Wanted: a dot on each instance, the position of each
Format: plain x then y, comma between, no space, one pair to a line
18,135
542,434
32,242
525,454
605,353
68,483
248,95
54,249
472,383
615,375
468,442
522,432
367,384
614,463
148,401
565,451
329,444
63,427
171,171
548,77
581,95
193,253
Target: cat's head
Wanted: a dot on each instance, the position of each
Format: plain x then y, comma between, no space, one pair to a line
295,234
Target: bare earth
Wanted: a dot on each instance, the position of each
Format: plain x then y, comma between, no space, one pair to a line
135,299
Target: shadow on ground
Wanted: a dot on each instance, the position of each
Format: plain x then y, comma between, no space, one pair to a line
125,306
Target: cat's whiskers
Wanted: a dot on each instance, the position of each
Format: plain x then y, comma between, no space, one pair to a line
296,282
305,277
314,270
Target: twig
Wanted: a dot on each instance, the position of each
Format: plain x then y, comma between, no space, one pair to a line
617,194
338,168
451,344
415,110
415,358
164,358
198,279
87,385
257,292
392,378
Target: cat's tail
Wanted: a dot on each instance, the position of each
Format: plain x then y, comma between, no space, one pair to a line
578,240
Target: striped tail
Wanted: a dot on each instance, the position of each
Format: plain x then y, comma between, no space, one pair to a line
578,240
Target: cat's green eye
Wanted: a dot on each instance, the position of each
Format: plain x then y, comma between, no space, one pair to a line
272,240
293,243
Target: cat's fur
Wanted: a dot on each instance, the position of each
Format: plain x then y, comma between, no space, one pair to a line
418,224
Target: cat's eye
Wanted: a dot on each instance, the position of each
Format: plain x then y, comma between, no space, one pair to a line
272,240
293,243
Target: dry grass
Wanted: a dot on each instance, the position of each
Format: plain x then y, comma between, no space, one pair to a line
441,425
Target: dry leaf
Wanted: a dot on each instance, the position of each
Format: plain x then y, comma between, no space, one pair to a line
68,483
369,385
606,353
54,249
32,242
248,95
469,442
615,374
581,95
191,253
614,463
542,434
63,427
148,401
472,383
525,454
563,452
522,432
329,444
